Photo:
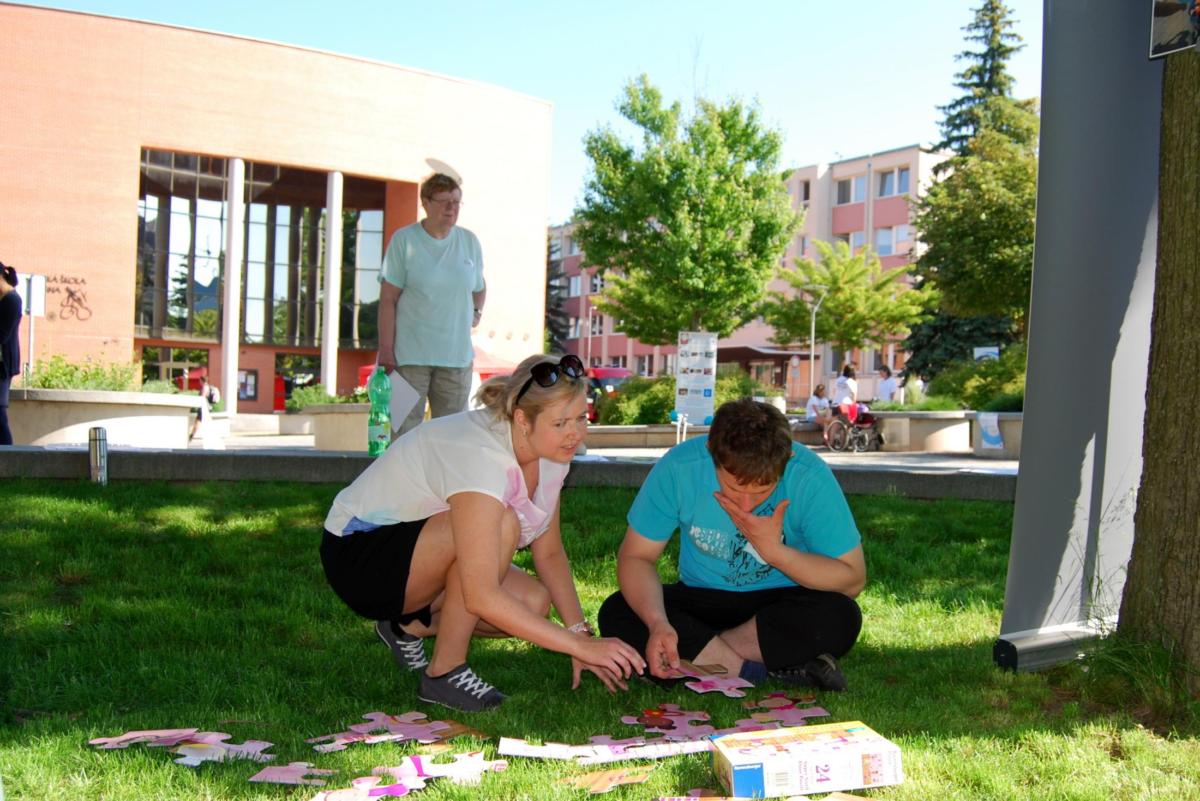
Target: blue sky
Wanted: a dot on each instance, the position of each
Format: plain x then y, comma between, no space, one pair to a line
838,79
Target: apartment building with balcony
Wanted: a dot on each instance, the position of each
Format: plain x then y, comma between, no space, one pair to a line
864,201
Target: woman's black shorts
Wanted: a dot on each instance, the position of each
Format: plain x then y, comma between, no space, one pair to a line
369,570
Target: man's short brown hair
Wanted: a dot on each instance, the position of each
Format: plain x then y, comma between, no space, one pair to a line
750,440
438,182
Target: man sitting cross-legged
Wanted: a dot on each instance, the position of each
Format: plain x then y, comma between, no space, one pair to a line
770,558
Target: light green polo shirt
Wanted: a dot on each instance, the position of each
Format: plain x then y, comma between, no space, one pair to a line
435,310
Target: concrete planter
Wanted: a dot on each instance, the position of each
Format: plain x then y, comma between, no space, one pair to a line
297,423
130,419
931,432
1010,432
338,426
645,436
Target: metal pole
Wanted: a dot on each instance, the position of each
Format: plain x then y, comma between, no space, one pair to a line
812,335
98,455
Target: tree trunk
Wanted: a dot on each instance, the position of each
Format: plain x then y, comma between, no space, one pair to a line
1161,601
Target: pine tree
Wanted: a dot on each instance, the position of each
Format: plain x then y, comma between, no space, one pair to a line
986,75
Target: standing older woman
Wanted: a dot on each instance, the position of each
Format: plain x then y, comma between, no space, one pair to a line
10,350
423,540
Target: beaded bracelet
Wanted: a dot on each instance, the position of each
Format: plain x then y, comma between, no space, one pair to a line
582,627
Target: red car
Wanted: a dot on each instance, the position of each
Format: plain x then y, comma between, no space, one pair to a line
604,382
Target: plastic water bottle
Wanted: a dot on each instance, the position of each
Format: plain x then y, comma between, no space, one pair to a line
379,420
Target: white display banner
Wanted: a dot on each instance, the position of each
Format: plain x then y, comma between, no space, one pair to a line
696,376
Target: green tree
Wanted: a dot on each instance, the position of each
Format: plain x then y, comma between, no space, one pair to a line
688,227
986,76
557,320
977,225
943,339
863,303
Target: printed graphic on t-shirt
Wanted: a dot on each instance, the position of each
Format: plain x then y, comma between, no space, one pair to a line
740,563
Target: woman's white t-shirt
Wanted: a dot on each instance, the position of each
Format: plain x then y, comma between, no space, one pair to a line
846,391
815,407
416,476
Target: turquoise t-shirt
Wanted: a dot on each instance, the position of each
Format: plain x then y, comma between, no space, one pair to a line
678,494
435,310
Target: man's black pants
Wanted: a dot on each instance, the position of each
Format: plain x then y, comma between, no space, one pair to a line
795,624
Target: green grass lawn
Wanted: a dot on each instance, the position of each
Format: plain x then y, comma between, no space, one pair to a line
153,605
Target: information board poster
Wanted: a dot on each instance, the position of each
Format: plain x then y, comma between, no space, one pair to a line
696,376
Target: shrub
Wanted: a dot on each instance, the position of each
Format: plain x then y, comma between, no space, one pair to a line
978,384
314,395
160,386
647,401
641,401
58,373
928,403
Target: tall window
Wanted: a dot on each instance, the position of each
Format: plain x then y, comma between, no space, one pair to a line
574,328
597,325
574,286
181,236
852,190
597,283
857,240
887,240
893,182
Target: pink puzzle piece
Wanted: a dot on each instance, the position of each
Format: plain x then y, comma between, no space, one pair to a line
148,736
467,768
781,700
367,787
750,724
394,728
672,722
617,746
791,716
729,687
293,773
210,746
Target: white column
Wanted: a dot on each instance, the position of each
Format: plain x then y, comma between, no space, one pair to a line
235,222
333,282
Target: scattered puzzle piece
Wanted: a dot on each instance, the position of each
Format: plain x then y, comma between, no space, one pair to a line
157,736
617,746
515,746
671,721
791,716
292,773
210,746
604,780
162,737
748,724
729,687
367,787
467,768
396,728
781,700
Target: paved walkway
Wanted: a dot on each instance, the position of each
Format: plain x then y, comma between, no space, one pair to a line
900,462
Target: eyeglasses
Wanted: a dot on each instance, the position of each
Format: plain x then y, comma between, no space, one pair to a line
546,374
447,202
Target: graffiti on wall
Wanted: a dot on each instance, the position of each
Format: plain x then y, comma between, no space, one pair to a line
70,292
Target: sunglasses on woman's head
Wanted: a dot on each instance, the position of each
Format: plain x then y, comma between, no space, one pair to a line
546,374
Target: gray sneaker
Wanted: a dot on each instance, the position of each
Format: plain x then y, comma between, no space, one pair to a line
459,689
407,649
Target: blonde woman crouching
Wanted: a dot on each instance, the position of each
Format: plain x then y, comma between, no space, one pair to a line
422,542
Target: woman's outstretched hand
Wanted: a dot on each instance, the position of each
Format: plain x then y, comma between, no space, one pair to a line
607,655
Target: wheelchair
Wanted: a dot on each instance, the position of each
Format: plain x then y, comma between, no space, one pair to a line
853,429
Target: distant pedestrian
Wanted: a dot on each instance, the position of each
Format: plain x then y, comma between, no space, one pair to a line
210,396
431,295
887,387
10,346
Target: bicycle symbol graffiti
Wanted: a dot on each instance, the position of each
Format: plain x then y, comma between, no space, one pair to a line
74,305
